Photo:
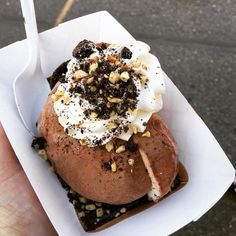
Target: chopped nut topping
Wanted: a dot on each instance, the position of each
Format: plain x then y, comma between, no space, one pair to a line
144,79
109,146
117,63
72,191
131,162
66,100
42,152
117,214
93,115
93,89
112,59
113,167
99,212
93,67
124,68
124,76
93,59
144,67
54,97
134,128
147,134
108,104
133,112
79,74
123,210
59,93
82,199
135,64
89,80
120,149
83,142
114,77
98,204
111,126
81,214
114,100
90,207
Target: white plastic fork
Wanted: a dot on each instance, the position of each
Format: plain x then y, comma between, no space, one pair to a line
30,87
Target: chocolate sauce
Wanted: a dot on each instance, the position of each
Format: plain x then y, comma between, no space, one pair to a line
95,216
38,143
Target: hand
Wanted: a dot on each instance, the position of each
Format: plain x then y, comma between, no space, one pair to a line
20,210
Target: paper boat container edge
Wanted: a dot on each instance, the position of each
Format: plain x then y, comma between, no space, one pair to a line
210,172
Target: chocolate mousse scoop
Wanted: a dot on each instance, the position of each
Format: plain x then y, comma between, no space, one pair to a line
112,176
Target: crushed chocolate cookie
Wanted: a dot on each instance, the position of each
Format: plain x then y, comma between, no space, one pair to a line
85,66
131,146
126,53
105,67
38,143
84,49
101,46
58,75
93,214
106,165
123,91
104,86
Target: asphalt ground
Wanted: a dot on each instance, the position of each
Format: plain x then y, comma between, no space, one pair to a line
195,42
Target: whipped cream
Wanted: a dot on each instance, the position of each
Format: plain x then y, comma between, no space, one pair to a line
78,114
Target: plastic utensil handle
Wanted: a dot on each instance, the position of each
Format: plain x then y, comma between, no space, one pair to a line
28,11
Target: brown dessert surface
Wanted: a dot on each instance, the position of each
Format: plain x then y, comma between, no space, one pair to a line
119,175
87,170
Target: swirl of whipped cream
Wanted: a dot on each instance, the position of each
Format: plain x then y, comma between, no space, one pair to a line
92,130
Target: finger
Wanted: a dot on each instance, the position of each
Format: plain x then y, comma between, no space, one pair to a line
8,161
20,210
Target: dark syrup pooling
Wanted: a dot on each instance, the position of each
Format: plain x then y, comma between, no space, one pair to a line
93,215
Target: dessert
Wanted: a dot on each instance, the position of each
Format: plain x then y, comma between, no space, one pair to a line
100,132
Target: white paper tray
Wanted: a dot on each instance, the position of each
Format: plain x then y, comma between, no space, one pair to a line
210,172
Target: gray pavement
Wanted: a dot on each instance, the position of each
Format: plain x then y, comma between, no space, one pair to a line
195,42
